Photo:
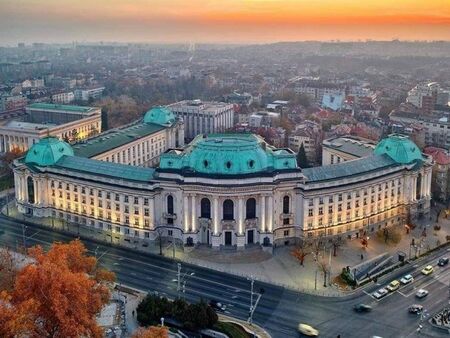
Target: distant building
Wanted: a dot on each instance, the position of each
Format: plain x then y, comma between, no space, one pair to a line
86,94
63,98
424,96
203,117
12,102
237,98
33,83
64,122
263,119
436,125
345,148
440,184
316,87
333,101
309,141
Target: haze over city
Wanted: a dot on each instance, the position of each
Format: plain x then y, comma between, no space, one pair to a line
233,21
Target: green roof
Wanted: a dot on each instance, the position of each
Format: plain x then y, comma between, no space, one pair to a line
48,151
68,108
229,154
114,138
159,115
357,167
400,148
102,168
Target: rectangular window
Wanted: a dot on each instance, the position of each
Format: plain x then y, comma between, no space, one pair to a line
286,233
126,198
117,197
320,211
136,200
310,212
146,201
170,233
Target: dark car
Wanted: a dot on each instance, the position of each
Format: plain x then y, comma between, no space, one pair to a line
218,306
362,308
415,308
443,261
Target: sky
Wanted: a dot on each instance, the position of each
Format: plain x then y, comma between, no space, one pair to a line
226,21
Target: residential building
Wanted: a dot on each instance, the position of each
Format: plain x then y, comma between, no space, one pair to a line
86,94
63,98
424,96
440,184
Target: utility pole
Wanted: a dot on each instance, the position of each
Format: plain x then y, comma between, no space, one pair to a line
178,279
24,227
252,281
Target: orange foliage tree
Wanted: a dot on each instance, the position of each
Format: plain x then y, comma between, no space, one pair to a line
151,332
58,295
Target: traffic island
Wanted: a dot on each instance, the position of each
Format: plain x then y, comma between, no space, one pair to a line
441,319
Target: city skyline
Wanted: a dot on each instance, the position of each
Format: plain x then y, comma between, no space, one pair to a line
214,21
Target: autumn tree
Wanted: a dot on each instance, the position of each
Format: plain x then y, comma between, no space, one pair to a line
151,332
62,291
300,252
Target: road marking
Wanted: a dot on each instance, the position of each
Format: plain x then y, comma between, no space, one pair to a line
33,234
102,255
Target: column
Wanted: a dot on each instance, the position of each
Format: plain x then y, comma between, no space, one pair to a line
152,212
263,214
241,215
429,184
422,185
270,214
36,194
194,216
216,215
185,211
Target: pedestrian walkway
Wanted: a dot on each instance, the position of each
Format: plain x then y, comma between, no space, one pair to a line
250,328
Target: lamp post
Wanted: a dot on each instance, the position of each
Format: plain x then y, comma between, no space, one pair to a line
181,280
252,282
24,237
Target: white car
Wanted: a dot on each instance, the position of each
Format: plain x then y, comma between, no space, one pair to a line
407,279
380,293
421,293
307,330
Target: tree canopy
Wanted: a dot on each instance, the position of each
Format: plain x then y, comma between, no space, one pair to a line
58,295
302,160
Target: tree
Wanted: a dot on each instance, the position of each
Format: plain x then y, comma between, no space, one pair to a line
58,295
104,118
151,332
302,160
323,267
300,253
8,270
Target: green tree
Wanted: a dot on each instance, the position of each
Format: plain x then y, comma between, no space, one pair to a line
302,160
104,119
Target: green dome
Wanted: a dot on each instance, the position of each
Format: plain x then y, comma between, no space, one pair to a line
399,148
48,151
229,154
159,115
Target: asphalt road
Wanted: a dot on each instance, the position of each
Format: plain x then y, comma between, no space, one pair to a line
279,310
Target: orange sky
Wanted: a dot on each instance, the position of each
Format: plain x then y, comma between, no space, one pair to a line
222,21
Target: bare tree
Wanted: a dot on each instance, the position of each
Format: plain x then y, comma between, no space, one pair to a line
323,267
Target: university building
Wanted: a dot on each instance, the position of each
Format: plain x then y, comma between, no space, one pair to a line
226,190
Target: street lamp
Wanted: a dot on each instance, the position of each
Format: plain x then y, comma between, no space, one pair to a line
252,282
181,280
24,229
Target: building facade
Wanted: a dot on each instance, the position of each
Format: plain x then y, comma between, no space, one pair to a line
440,185
203,117
69,123
226,190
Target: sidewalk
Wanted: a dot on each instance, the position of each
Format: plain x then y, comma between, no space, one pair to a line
281,268
252,329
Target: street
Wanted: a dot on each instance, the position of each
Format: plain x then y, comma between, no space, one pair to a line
279,310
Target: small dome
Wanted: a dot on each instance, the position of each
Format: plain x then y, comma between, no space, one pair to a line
159,115
399,148
48,151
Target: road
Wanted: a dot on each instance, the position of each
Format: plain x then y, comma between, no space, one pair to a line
279,310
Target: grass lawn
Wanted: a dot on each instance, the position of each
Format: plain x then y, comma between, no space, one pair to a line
231,330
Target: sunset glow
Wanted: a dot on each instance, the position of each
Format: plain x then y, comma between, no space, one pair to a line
232,20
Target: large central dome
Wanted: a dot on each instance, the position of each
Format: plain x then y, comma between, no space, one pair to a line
229,154
399,148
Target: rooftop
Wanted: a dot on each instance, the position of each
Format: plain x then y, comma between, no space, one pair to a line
61,107
440,156
356,146
229,154
114,138
351,168
102,168
48,151
399,148
28,125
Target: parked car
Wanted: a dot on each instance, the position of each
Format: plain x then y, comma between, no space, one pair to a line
415,308
362,308
427,270
218,306
407,279
394,285
307,330
380,293
421,293
443,261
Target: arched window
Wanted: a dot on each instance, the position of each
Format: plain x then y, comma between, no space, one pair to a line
286,205
250,208
228,210
418,186
170,205
30,185
205,208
